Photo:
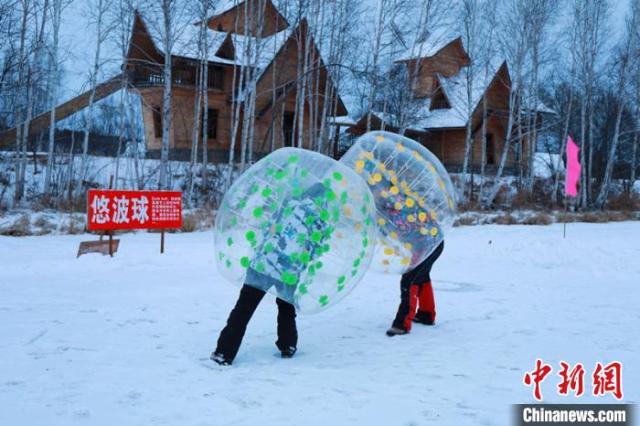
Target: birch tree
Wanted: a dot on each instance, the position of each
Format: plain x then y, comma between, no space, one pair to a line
98,9
168,18
514,45
384,11
57,7
489,21
540,15
590,17
23,99
473,39
201,110
122,15
624,62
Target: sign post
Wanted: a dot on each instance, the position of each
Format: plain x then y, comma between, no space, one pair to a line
111,210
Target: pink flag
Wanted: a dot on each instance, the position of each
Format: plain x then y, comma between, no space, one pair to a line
573,169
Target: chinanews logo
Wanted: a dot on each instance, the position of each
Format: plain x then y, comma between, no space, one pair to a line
605,379
575,380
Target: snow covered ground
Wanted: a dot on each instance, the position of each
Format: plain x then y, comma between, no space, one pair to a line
102,341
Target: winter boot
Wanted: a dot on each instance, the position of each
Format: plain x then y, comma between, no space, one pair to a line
288,352
395,331
219,358
425,318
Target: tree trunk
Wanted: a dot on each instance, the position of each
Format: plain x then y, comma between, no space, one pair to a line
604,189
92,96
634,157
563,146
483,148
583,134
505,152
53,91
195,137
21,105
163,182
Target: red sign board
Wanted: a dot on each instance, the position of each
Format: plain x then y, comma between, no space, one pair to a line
109,210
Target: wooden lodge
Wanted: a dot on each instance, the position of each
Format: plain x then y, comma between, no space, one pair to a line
275,118
440,92
276,123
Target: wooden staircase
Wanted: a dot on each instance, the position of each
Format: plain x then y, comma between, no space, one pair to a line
64,110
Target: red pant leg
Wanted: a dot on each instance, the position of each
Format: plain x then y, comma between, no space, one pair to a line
427,302
413,304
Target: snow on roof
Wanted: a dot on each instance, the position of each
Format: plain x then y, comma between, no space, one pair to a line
455,89
434,41
542,107
266,48
224,6
186,44
462,105
342,120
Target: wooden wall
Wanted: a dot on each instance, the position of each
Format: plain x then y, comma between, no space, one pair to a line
281,74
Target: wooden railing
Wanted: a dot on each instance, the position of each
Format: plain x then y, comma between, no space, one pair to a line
149,77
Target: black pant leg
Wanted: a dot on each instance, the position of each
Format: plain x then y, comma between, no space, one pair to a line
231,336
405,301
287,331
422,273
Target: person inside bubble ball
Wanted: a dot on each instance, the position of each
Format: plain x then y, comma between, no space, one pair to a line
417,302
274,259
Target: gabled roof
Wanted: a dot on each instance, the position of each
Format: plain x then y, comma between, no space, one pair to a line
224,6
186,44
225,9
455,90
266,48
298,35
433,42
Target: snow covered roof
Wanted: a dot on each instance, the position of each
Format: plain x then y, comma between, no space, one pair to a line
543,108
342,120
224,6
266,48
461,107
186,45
435,40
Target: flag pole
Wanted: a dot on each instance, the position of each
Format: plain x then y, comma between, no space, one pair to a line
572,177
566,208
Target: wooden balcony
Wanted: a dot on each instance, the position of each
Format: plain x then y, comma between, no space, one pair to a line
150,77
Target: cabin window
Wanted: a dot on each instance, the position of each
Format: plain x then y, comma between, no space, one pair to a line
288,121
216,77
212,123
157,122
490,150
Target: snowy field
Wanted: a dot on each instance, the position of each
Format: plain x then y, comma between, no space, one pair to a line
102,341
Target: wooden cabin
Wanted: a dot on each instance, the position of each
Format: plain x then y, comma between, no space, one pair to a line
440,91
276,124
275,120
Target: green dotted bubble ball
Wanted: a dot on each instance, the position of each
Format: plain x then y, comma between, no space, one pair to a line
297,224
